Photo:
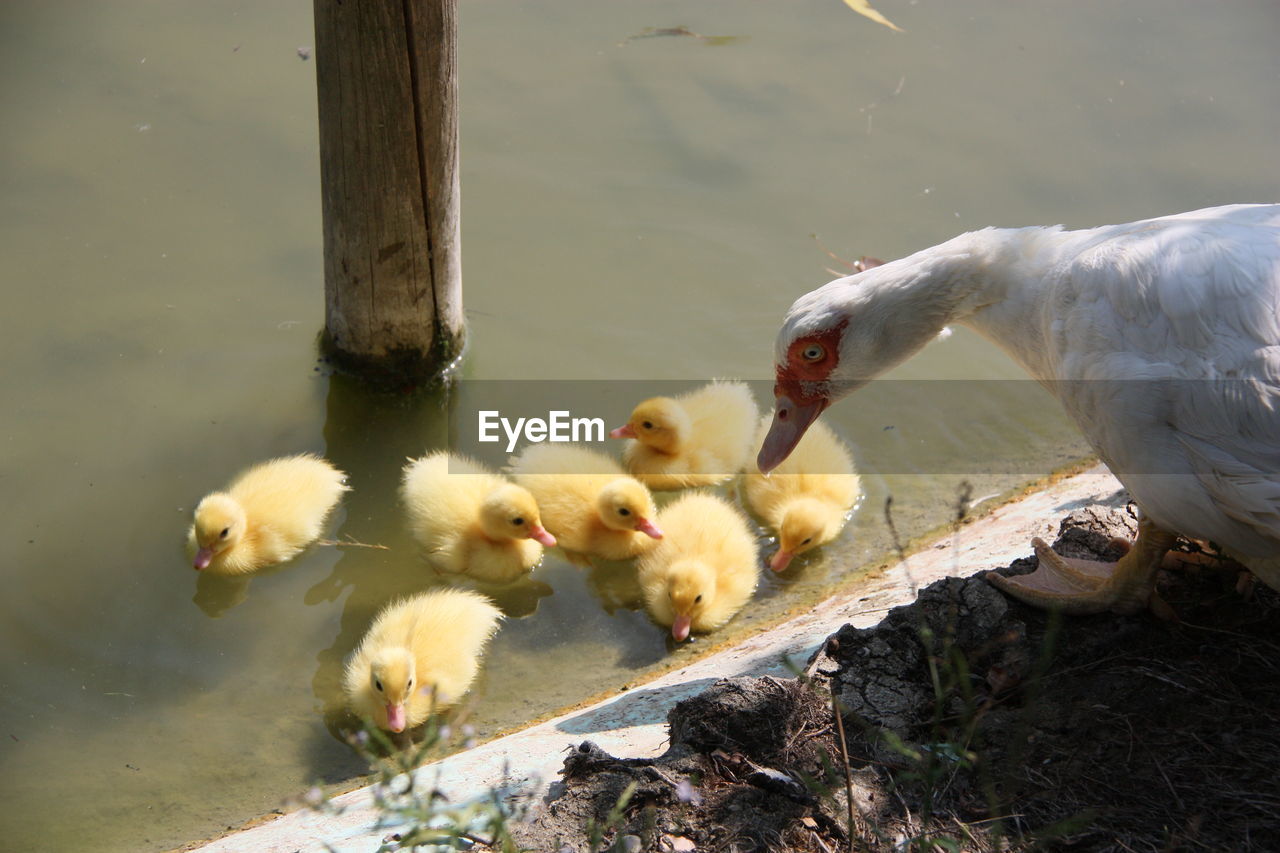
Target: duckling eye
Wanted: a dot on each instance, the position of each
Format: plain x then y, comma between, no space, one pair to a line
517,521
623,511
813,352
807,541
698,598
377,684
647,424
226,531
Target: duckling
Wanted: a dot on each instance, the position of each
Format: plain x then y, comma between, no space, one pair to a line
697,439
587,501
470,520
419,655
806,499
267,514
704,569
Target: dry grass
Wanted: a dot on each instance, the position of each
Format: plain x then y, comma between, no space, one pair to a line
972,723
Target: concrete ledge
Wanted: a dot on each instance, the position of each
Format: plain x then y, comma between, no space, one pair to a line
633,724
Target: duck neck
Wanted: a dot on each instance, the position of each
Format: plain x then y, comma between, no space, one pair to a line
993,281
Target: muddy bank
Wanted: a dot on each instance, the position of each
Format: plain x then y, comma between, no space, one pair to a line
971,722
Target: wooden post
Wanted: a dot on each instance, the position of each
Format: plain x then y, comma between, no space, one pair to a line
386,72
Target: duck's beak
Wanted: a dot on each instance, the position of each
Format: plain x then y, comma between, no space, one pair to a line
648,528
781,560
624,431
395,717
539,533
203,558
790,420
680,628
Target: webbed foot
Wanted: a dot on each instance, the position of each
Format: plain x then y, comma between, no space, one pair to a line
1090,586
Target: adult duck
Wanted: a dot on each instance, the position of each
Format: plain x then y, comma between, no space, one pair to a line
1161,339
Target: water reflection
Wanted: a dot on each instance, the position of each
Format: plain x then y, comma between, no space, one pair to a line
369,434
615,585
216,594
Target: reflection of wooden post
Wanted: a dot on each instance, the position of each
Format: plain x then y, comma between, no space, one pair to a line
387,79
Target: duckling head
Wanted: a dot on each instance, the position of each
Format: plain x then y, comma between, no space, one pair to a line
510,512
625,504
219,524
660,423
392,676
802,528
691,584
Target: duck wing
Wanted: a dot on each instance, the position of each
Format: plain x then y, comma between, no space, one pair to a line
1174,327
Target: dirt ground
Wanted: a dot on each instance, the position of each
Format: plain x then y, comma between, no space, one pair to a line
971,722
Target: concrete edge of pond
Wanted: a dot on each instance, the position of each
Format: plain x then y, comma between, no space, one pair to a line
633,723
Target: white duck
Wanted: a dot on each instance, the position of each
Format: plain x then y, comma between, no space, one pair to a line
1161,338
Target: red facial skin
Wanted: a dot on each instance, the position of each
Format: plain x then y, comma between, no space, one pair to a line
801,392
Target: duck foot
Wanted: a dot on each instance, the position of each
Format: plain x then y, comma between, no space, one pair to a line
1090,586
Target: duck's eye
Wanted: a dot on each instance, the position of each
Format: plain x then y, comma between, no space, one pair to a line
377,684
813,352
226,531
807,541
409,686
647,424
697,599
517,521
623,511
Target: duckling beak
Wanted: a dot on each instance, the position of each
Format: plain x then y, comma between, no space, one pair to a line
539,533
781,560
790,420
395,717
203,558
648,528
680,628
624,431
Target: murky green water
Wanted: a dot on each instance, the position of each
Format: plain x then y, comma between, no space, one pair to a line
638,211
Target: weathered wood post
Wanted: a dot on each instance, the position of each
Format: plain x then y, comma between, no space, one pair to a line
386,73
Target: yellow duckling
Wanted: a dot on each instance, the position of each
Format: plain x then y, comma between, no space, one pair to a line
704,569
588,501
470,520
419,655
806,499
266,515
697,439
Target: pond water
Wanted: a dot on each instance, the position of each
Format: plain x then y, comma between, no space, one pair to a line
635,212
